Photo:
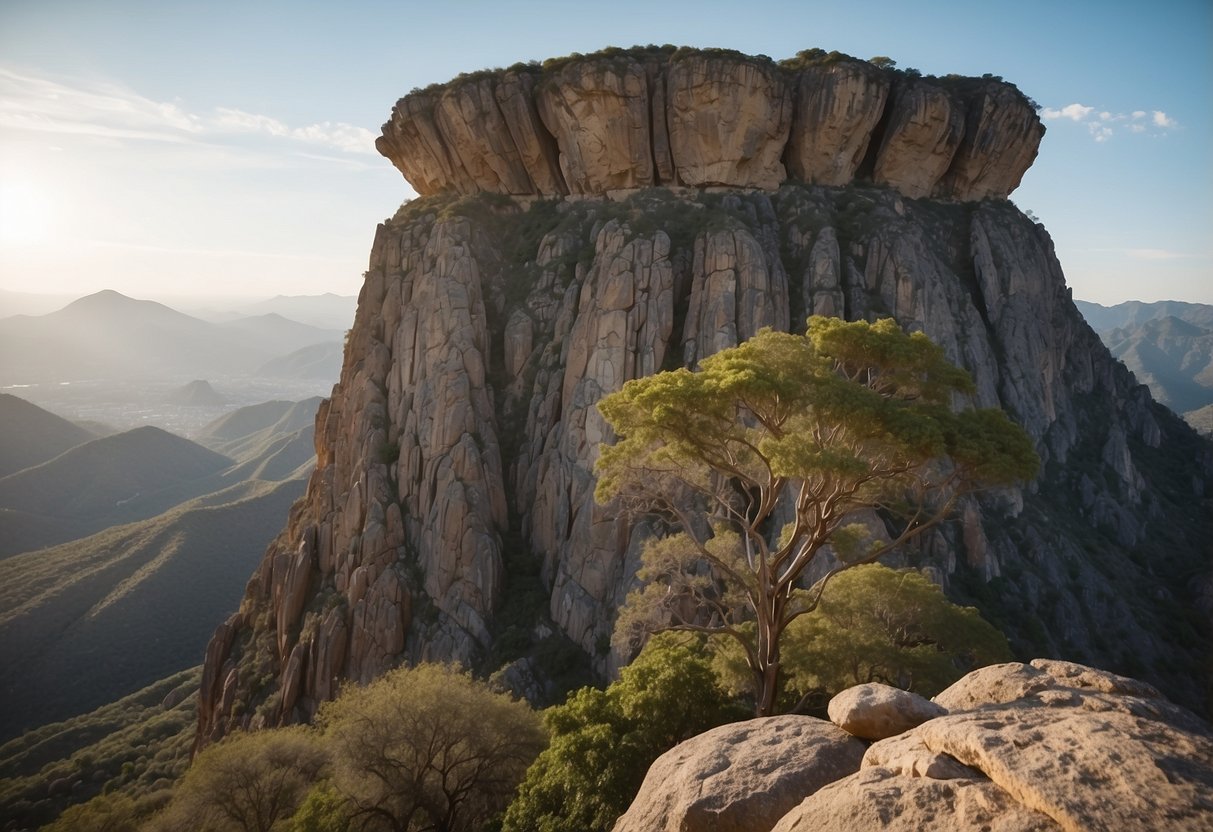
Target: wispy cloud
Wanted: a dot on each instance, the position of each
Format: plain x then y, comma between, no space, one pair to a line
1154,254
109,111
1103,124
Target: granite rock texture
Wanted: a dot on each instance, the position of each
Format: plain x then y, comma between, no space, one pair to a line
626,119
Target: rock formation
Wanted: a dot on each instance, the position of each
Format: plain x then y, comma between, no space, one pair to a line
1046,746
451,513
621,120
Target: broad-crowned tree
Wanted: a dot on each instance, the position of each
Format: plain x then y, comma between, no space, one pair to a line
778,448
428,748
249,782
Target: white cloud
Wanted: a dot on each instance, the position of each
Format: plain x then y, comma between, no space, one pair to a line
1161,120
1074,112
1100,123
108,111
1153,254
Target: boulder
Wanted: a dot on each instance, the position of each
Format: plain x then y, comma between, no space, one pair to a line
875,711
1051,745
741,777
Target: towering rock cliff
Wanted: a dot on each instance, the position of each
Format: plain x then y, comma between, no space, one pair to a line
605,217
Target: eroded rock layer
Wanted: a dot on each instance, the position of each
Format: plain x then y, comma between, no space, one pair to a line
621,120
451,514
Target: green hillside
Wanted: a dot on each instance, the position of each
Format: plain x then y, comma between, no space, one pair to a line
94,478
30,435
128,605
138,746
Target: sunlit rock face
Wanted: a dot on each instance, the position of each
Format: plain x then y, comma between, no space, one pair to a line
451,514
633,119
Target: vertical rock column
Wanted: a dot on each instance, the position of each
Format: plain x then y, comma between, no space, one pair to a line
621,331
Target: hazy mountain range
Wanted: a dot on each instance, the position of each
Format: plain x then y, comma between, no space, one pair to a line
1169,347
109,335
140,538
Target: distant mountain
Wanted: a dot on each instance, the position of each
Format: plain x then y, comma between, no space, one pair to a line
271,440
109,335
198,393
1168,345
1201,419
30,435
275,334
319,361
1135,312
328,311
31,303
136,594
230,432
94,478
129,605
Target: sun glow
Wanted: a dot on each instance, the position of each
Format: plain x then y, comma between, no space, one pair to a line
27,214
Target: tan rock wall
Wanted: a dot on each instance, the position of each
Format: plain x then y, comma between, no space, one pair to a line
607,123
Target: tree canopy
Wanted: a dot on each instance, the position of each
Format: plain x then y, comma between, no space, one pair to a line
876,624
249,782
428,748
848,439
603,742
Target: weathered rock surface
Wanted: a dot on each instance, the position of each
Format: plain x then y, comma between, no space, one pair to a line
455,457
599,113
923,130
740,777
626,119
837,108
1051,745
728,120
874,711
876,798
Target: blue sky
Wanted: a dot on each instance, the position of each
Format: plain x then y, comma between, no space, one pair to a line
225,148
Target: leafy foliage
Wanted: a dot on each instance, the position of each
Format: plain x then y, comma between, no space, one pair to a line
603,742
135,747
249,782
428,748
829,427
876,624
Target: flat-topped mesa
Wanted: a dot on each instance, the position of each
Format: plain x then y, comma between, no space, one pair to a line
625,119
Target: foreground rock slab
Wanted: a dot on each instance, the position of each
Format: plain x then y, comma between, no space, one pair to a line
741,777
1050,745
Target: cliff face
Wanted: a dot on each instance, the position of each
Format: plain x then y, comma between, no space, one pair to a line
635,119
451,513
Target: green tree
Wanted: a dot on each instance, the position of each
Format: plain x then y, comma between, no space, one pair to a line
827,428
249,782
876,624
428,748
104,813
324,810
603,742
